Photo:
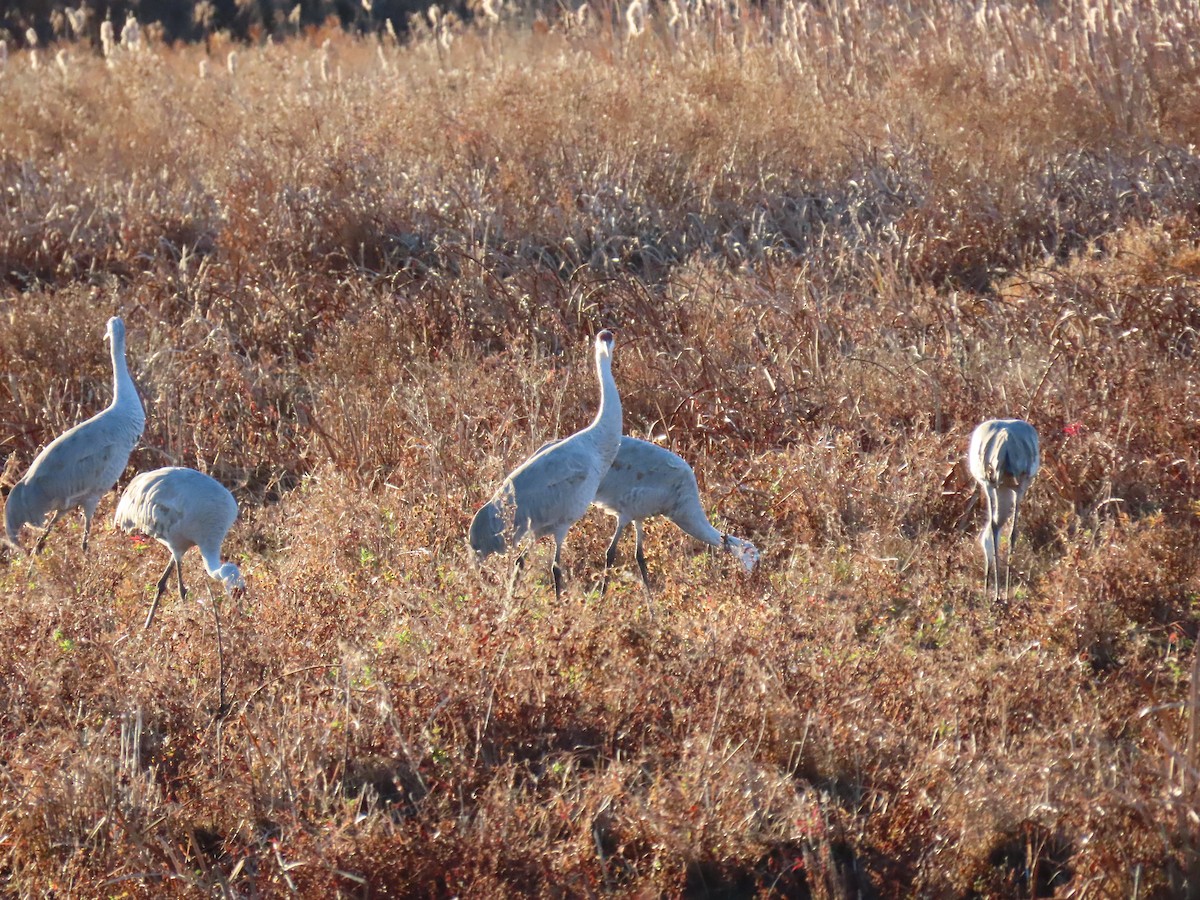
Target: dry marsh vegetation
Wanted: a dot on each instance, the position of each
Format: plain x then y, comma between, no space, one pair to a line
360,277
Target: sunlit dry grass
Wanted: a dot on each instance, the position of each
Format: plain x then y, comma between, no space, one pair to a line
360,278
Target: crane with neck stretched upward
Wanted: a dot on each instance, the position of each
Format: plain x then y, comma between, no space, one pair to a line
83,464
551,491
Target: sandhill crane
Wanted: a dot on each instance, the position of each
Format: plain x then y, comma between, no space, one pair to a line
83,464
647,480
1003,458
552,490
181,508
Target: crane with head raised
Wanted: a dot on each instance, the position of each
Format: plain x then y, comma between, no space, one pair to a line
83,464
1004,458
551,491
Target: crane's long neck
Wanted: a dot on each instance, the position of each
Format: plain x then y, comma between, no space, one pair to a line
125,394
608,420
692,520
212,560
225,572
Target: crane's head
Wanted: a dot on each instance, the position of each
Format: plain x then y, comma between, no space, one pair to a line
115,331
231,576
745,551
487,532
604,343
748,554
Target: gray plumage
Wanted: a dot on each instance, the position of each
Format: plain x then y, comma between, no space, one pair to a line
647,480
552,490
1004,458
83,464
181,508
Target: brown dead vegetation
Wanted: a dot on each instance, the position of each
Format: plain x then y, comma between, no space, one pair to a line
360,279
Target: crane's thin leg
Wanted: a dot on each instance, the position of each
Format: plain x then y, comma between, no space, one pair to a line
610,557
89,510
641,556
1006,509
1012,540
37,548
995,521
162,588
996,561
987,565
162,582
641,561
984,537
556,569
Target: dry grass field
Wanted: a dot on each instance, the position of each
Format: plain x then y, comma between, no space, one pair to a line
361,277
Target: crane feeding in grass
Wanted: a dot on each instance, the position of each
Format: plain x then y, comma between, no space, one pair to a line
552,490
82,465
647,480
181,508
1004,458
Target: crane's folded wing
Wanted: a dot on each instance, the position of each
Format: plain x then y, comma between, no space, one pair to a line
74,463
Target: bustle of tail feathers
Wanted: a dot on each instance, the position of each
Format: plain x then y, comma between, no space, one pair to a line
1009,468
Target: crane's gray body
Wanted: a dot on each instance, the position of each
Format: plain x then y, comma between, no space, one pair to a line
83,464
647,480
551,491
548,493
181,508
1004,458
